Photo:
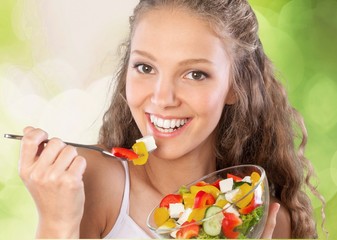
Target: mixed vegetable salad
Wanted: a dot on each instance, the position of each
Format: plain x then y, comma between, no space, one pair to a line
212,210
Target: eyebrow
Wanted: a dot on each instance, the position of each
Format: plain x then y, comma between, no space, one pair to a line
143,53
184,62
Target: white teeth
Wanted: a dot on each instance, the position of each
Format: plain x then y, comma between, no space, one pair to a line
165,130
167,125
160,122
173,123
152,118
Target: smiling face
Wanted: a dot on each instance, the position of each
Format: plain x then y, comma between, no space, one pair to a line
177,81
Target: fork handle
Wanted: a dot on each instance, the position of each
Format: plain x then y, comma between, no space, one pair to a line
19,137
92,147
13,136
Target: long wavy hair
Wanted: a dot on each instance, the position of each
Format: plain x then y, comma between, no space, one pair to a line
261,127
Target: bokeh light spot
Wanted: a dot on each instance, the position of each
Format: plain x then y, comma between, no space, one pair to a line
325,186
320,102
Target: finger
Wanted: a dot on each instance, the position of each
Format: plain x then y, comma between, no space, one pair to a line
78,165
41,145
50,153
27,129
30,143
65,159
271,221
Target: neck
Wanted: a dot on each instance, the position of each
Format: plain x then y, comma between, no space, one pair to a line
166,176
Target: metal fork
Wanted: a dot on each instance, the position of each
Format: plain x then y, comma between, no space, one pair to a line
101,150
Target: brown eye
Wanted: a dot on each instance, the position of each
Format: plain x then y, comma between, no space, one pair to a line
144,68
196,75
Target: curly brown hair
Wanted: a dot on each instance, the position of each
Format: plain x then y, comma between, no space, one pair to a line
261,127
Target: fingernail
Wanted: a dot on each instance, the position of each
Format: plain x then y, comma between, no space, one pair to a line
277,208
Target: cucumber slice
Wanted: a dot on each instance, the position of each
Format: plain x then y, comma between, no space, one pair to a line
212,226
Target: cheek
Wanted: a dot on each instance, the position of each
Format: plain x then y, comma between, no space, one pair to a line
134,92
130,92
210,103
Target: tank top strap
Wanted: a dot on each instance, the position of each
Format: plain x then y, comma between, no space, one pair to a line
125,201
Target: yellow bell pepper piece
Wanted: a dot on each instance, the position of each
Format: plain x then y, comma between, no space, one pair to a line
255,177
221,203
142,152
207,188
197,214
188,199
243,190
160,216
170,223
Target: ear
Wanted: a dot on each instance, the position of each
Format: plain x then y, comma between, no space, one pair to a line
230,98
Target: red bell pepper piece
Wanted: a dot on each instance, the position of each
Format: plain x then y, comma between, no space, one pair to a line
201,183
235,178
216,183
171,198
229,223
251,206
124,153
188,230
202,199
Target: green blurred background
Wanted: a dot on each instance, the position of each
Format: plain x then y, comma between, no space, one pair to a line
300,36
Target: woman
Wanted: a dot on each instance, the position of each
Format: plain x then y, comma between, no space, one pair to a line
194,75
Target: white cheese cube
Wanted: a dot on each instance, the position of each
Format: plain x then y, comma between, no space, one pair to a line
226,185
231,194
176,209
150,144
246,179
230,209
184,217
174,234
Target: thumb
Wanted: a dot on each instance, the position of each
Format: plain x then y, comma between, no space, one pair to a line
271,221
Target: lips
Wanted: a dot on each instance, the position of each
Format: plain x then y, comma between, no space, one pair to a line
167,125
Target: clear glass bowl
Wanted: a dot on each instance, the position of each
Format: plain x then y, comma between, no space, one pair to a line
241,214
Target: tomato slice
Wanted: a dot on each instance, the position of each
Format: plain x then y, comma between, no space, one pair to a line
124,153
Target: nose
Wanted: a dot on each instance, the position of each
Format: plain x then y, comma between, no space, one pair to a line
164,93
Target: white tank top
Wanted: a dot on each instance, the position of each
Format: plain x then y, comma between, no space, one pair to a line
125,226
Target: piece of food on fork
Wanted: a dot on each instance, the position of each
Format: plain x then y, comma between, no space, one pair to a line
140,150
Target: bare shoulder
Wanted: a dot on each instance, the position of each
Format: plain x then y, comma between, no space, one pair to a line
283,221
104,180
